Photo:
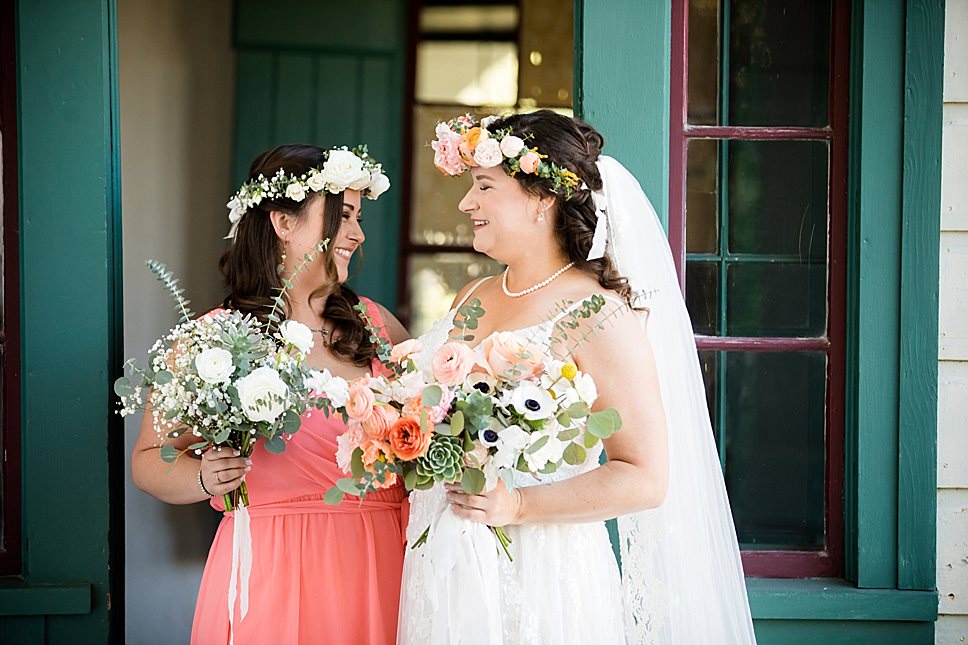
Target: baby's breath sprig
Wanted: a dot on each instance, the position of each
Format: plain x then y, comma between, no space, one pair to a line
279,301
171,283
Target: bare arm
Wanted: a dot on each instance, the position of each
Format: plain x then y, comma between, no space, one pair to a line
177,483
636,475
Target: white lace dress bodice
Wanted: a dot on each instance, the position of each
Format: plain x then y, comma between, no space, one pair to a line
563,585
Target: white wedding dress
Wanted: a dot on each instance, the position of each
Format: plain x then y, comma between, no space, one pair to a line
562,587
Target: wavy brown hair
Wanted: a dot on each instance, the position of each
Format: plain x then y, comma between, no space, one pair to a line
249,270
575,145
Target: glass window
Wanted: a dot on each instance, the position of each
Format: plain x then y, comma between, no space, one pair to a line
759,153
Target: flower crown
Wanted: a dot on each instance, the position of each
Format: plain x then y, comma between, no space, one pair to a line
462,143
343,168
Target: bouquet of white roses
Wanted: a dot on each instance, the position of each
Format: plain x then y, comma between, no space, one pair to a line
453,414
229,380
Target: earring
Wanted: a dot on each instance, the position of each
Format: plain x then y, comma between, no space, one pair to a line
281,267
541,215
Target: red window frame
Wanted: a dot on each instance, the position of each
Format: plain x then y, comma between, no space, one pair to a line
10,544
783,564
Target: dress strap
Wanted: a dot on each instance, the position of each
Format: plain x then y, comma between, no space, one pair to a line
471,291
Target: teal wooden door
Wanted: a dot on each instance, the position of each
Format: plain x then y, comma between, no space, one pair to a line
328,73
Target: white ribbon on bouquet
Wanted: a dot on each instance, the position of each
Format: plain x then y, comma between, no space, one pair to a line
241,567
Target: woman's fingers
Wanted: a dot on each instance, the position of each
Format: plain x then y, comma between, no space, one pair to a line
223,470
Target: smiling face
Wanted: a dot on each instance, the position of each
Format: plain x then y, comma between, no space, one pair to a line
502,212
300,234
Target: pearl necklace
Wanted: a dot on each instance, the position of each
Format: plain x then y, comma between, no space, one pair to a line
534,287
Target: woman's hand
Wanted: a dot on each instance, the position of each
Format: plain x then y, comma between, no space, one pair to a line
222,470
498,507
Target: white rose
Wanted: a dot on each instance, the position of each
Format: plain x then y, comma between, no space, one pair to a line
550,452
362,182
343,168
263,394
298,334
214,365
379,184
296,191
488,153
316,181
334,388
532,402
512,146
488,120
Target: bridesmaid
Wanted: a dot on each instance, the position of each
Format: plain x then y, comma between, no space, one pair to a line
320,573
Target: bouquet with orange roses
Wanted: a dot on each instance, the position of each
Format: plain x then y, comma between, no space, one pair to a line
449,413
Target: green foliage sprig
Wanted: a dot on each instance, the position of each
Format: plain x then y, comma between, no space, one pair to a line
467,317
279,300
171,283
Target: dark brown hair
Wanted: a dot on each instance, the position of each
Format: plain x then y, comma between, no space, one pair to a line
249,266
575,145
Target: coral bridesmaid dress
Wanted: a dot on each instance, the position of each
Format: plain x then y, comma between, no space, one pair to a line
320,573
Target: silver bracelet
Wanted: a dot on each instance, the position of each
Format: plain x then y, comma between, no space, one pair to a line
201,484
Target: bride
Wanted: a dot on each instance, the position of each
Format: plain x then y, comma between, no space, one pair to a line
570,223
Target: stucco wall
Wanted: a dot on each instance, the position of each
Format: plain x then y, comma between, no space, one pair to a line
952,625
177,77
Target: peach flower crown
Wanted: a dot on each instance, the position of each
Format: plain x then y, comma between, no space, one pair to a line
343,168
463,143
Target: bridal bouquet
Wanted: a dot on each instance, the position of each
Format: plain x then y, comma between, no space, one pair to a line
453,414
229,380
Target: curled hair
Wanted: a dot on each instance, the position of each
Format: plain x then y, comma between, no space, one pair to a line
575,145
249,266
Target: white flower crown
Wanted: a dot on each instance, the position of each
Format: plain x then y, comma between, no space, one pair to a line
343,169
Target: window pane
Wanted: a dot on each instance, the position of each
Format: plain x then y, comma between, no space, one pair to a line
434,217
771,299
435,279
702,296
778,198
775,455
467,72
709,363
702,196
704,62
779,62
547,53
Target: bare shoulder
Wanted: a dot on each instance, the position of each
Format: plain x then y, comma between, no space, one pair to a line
599,323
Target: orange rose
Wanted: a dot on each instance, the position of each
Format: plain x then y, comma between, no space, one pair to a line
453,362
407,440
510,357
378,424
467,146
360,403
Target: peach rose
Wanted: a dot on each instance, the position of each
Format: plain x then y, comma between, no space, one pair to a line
402,351
407,440
446,151
529,162
378,424
360,404
510,357
453,362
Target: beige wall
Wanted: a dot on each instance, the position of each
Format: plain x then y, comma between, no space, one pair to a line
952,625
177,77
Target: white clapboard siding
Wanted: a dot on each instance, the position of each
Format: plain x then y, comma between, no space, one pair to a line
954,163
953,421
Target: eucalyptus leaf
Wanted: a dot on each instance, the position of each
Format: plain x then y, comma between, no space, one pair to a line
472,481
457,423
334,496
590,440
222,435
537,445
163,377
604,422
568,435
579,409
348,485
169,453
444,429
356,463
291,422
122,386
431,396
574,454
410,479
276,445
